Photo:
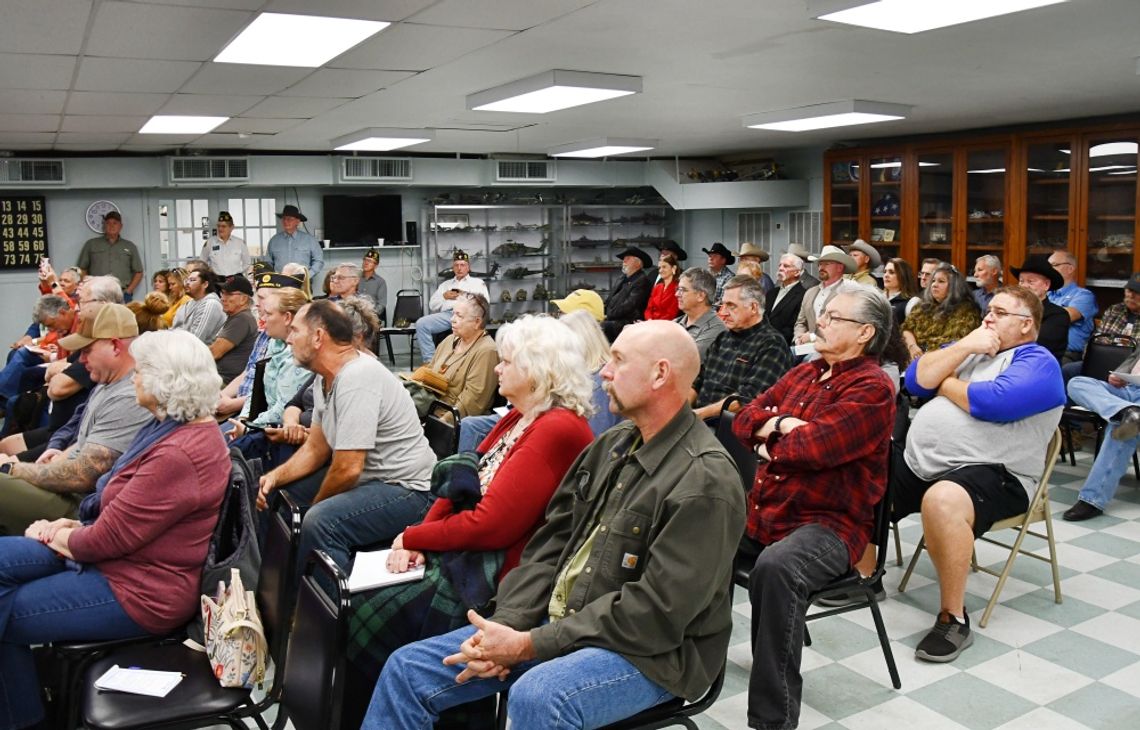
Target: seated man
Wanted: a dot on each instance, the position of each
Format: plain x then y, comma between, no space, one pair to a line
1040,278
822,433
1117,403
626,302
202,316
376,483
234,343
443,300
622,598
748,358
695,291
54,485
974,452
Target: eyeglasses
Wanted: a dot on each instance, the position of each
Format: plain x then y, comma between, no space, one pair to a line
683,290
828,317
340,277
999,313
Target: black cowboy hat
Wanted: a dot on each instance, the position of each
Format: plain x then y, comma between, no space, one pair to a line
718,247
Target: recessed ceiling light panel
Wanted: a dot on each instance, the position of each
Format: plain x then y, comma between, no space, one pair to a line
173,124
382,139
826,116
602,147
553,90
307,41
913,16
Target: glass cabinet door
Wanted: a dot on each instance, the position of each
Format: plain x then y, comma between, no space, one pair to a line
935,205
985,203
1111,209
845,177
886,204
1047,197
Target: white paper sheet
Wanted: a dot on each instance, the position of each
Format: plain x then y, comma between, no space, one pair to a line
150,682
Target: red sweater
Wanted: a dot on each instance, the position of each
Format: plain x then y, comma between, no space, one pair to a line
663,301
514,505
154,528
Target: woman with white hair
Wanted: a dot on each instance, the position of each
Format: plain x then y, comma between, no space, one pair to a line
489,502
596,350
132,564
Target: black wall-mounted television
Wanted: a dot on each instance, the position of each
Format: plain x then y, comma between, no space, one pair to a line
358,220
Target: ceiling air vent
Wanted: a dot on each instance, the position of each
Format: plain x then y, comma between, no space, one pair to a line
524,171
375,169
199,170
31,172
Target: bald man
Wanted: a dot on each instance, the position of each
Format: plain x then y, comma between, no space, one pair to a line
631,521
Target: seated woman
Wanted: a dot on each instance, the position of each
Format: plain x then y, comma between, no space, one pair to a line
899,286
467,358
176,293
596,350
663,299
519,466
159,281
133,566
947,313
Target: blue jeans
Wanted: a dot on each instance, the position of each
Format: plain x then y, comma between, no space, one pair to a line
369,513
783,575
587,688
428,325
473,429
43,600
21,360
1112,460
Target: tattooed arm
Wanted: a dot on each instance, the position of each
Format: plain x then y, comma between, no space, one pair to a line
73,471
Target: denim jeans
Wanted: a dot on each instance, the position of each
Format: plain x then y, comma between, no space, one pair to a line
587,688
369,513
20,360
43,600
428,325
784,574
1112,459
473,429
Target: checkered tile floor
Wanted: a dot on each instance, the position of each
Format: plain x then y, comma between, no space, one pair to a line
1036,666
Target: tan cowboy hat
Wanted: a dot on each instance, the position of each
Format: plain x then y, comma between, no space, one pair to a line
751,249
861,245
834,253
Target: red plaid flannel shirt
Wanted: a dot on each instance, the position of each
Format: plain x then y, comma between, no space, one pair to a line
832,471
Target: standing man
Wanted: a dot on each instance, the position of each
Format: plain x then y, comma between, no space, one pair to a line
822,434
443,301
110,255
719,259
224,253
782,305
295,246
833,264
751,252
622,598
344,282
696,290
234,343
1079,303
1039,277
203,315
366,430
867,259
626,303
372,285
987,272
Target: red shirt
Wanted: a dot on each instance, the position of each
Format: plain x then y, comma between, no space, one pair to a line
515,502
663,301
831,471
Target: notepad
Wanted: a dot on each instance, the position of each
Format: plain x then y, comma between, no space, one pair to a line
1128,378
149,682
370,570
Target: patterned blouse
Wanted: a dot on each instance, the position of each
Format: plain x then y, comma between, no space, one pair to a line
933,330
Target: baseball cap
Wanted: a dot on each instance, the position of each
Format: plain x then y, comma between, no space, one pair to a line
101,321
237,284
582,299
113,215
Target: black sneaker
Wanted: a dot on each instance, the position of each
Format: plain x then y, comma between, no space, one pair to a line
946,640
846,599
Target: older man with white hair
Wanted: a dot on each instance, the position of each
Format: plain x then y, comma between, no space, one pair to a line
782,305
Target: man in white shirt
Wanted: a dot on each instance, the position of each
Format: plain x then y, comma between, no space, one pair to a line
226,254
443,301
833,263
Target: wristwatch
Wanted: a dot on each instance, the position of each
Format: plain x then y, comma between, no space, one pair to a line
6,467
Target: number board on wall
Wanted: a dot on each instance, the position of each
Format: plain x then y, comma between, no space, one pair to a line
23,232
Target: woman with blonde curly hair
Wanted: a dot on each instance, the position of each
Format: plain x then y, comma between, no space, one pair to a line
150,312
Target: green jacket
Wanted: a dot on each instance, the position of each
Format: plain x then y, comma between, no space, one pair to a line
656,585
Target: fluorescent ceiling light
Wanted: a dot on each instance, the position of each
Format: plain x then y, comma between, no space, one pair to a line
826,116
173,124
602,147
1113,148
912,16
309,41
382,139
553,90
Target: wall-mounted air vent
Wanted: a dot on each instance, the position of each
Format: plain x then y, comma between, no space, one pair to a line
200,170
375,169
31,172
524,171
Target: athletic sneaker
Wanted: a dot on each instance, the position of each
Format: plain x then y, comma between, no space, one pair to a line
846,599
946,640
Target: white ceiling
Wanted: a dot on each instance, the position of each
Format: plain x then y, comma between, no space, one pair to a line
84,75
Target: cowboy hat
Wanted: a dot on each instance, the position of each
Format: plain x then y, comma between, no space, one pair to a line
834,253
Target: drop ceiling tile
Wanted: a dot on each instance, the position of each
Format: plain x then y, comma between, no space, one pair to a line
226,4
108,102
258,126
280,107
82,147
161,141
239,78
44,26
9,139
29,123
146,149
88,138
417,47
496,14
209,104
35,71
102,123
390,10
21,101
163,31
345,83
220,141
120,74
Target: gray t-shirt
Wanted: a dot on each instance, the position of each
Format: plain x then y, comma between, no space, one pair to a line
241,330
368,408
113,416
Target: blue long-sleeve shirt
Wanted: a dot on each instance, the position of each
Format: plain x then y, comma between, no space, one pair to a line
300,248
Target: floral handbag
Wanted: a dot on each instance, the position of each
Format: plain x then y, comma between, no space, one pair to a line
235,639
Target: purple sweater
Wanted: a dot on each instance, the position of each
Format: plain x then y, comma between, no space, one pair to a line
157,517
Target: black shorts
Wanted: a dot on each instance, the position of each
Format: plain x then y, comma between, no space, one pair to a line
995,492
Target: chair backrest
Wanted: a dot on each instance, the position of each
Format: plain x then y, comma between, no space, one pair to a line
409,306
881,532
275,582
1102,359
745,458
1040,498
313,679
442,434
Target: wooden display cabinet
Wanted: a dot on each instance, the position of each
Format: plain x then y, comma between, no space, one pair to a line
1109,212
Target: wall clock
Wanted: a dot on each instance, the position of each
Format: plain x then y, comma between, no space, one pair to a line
96,211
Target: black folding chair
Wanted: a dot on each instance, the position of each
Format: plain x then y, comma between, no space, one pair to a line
1100,360
744,457
409,307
